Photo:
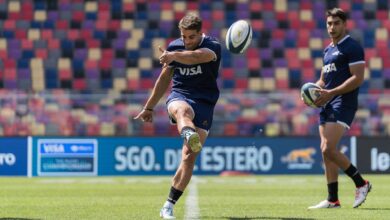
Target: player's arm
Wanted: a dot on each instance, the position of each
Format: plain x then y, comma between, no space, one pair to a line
321,82
201,55
159,89
357,78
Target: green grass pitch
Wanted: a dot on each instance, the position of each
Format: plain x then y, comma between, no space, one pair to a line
230,198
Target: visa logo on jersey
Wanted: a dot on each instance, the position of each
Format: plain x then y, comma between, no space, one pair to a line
190,71
331,67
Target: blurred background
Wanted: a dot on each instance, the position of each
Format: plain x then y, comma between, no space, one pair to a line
74,73
85,68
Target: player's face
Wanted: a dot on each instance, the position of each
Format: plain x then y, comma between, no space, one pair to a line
336,27
191,38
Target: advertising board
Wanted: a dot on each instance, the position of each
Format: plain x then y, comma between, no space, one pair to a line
373,155
13,156
161,156
65,156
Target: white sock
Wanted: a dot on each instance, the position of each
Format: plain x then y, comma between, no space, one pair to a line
187,132
168,204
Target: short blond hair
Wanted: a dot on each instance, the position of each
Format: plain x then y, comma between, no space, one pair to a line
191,22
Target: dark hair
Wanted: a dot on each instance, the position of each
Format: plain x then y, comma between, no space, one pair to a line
337,12
191,22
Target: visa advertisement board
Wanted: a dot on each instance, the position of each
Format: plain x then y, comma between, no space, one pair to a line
161,156
65,157
13,157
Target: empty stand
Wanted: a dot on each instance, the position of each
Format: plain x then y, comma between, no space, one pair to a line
94,63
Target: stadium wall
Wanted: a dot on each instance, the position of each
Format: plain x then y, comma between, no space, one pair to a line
103,156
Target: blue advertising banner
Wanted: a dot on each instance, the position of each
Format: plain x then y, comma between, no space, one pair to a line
138,156
65,156
13,156
161,156
373,155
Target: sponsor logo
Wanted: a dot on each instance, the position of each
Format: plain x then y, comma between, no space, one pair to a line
81,148
7,159
300,158
60,148
212,159
67,157
190,71
380,161
331,67
53,148
336,53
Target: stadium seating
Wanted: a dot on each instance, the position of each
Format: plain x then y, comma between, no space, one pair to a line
94,63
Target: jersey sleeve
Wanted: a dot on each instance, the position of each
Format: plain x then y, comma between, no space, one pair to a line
355,55
215,47
170,48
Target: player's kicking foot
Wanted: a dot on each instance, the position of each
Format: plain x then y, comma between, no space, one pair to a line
326,205
167,213
194,142
361,194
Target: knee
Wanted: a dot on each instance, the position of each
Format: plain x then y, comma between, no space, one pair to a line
327,151
183,112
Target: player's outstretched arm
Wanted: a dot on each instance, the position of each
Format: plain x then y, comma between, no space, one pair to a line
160,87
188,57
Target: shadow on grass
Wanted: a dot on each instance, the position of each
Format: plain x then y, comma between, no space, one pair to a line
256,217
377,209
5,218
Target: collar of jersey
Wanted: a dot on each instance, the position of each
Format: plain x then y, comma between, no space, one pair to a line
344,38
203,35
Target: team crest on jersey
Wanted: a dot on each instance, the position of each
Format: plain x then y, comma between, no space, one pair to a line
329,68
190,71
336,53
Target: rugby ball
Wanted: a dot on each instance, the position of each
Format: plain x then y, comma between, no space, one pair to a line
309,93
238,36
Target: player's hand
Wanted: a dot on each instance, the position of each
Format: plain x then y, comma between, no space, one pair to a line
145,116
166,57
325,96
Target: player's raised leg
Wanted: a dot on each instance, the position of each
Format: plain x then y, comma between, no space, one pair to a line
183,114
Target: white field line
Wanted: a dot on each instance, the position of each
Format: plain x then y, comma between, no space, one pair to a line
192,203
57,181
